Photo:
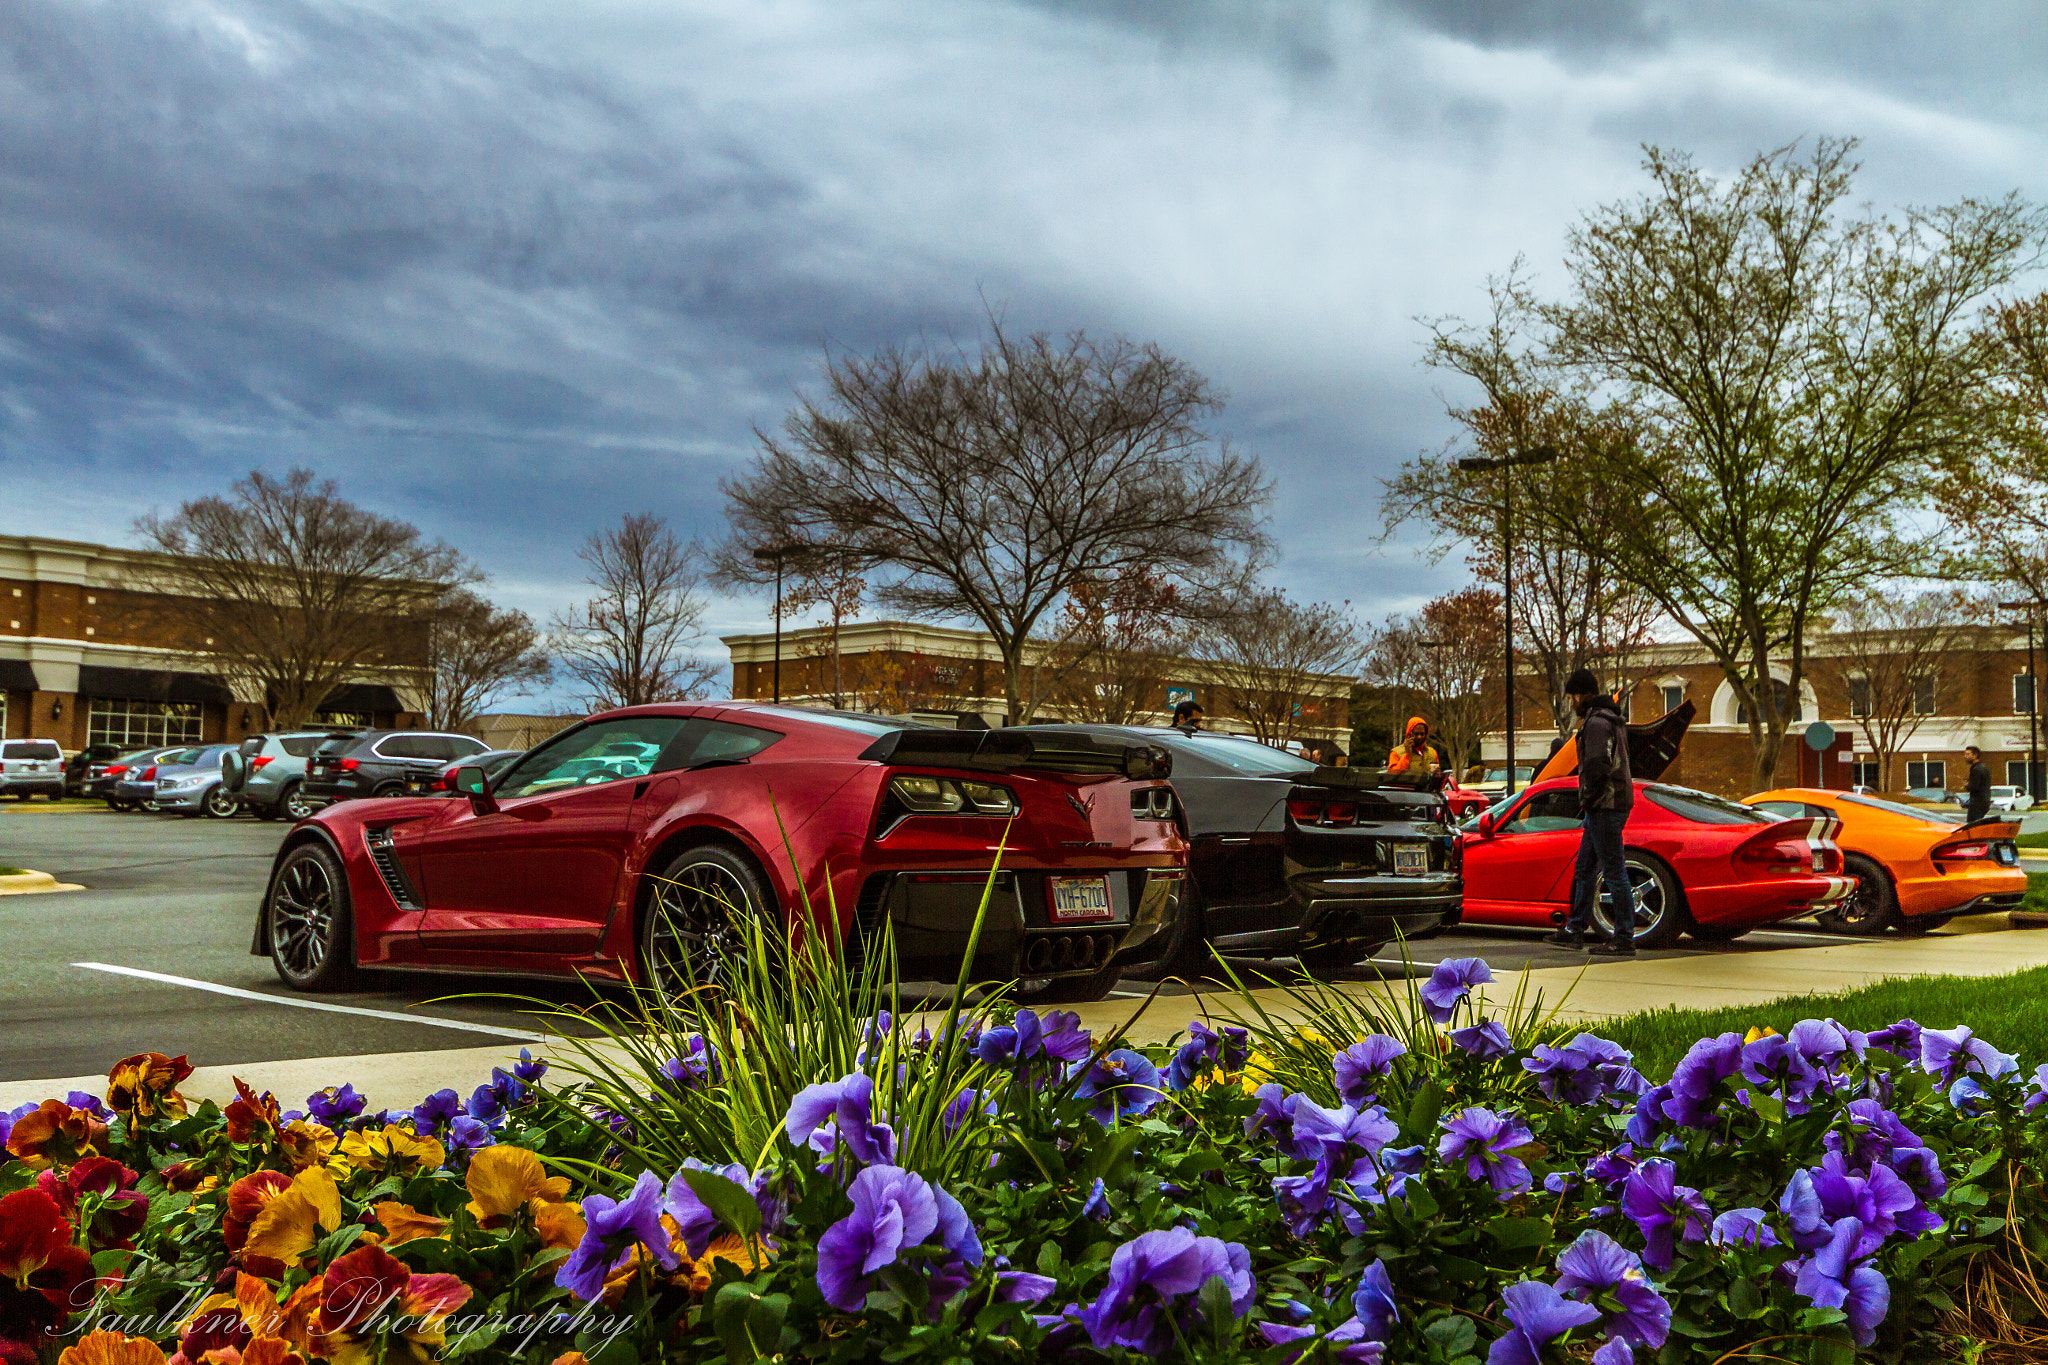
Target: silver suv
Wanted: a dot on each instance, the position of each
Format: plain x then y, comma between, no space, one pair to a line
28,766
266,773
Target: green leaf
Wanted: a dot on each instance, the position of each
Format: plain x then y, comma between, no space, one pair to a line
1686,1327
1217,1314
1109,1155
1460,1269
1421,1202
1745,1300
1422,1114
1455,1334
1049,1259
734,1207
1982,1164
1769,1108
1513,1233
748,1323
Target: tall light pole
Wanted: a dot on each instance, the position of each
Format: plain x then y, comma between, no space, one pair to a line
2034,785
776,554
1479,464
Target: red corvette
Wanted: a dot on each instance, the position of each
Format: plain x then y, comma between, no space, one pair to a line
1699,864
630,845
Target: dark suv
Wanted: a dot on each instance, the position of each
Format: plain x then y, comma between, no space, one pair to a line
376,762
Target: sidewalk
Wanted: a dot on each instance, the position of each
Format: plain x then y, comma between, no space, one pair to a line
397,1080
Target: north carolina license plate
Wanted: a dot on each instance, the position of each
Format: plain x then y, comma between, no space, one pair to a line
1080,898
1411,860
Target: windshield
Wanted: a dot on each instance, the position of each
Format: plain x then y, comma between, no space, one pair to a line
858,721
1707,808
1241,755
1501,774
1933,815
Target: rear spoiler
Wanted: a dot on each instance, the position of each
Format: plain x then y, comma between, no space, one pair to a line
1651,747
1364,778
1048,749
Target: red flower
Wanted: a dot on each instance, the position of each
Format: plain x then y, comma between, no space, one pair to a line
43,1277
247,1197
252,1118
55,1134
107,1189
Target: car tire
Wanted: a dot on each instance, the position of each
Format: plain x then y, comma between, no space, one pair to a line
266,813
388,789
1918,926
311,928
1657,893
1068,990
1187,943
218,803
1870,909
696,918
293,806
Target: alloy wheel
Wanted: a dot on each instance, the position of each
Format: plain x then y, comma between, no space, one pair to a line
1650,905
302,917
1864,911
220,804
695,925
295,806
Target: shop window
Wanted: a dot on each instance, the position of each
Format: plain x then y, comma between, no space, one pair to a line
2016,775
1866,775
1859,697
2022,694
1932,774
360,719
1674,696
1788,709
140,724
1923,695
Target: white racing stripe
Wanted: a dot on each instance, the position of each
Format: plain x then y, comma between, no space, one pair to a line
428,1020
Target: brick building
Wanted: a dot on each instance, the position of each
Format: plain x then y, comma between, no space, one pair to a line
86,657
945,672
1980,694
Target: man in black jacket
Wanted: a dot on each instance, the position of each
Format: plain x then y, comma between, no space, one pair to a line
1606,791
1979,789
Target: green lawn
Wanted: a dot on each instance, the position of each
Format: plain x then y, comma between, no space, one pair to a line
12,871
2005,1010
2039,840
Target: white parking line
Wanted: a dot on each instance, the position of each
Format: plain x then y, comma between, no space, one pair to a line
429,1020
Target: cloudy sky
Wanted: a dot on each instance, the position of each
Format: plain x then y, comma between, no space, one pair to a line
517,268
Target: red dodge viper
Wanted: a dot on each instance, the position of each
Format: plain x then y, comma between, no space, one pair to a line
624,847
1699,864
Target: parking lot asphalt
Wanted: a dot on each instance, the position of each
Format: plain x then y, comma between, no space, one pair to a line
153,955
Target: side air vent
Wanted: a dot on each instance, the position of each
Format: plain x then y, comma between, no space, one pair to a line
378,840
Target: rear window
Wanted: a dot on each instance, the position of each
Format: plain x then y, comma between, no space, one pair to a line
1933,815
32,748
338,744
300,746
1242,755
1708,809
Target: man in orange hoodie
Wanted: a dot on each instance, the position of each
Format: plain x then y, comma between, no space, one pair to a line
1415,754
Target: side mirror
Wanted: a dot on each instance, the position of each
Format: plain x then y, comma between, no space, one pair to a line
1486,824
472,783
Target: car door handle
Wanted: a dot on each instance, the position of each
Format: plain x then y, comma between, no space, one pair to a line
640,789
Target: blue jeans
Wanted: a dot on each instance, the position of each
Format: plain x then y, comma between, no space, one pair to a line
1601,855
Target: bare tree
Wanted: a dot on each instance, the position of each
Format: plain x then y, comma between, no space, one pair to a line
1270,662
1118,637
1437,663
476,654
290,587
989,485
1895,656
833,582
630,643
1997,494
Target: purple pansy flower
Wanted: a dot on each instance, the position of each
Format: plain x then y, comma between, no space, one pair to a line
1873,1132
465,1136
1901,1039
502,1092
1742,1227
1372,1303
334,1106
1147,1273
1348,1339
1825,1043
1451,982
1834,1278
1121,1083
1663,1210
849,1103
1368,1130
1950,1053
529,1068
1487,1041
433,1113
1774,1061
695,1220
965,1105
1832,1191
1304,1199
1483,1140
1705,1065
1096,1206
893,1210
1614,1351
2037,1093
612,1229
1597,1265
693,1069
1357,1066
1201,1049
1539,1315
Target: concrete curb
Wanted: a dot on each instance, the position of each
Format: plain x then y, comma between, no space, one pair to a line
34,884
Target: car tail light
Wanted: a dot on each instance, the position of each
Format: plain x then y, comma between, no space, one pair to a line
1327,813
1971,849
116,770
146,775
1795,846
349,765
259,761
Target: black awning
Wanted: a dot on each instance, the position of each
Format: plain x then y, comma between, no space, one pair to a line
149,684
362,698
17,676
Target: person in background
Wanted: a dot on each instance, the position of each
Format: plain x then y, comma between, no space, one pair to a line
1188,716
1606,792
1978,788
1415,754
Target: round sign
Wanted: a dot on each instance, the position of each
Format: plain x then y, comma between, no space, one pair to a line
1820,736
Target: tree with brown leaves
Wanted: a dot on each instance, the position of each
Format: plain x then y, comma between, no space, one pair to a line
630,643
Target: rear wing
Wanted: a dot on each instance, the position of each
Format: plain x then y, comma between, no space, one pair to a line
1362,779
1048,749
1651,747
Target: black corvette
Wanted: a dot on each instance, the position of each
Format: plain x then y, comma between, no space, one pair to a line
1291,859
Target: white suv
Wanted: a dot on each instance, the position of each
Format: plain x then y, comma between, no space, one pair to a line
28,766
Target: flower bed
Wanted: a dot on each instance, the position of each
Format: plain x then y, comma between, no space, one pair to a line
1414,1185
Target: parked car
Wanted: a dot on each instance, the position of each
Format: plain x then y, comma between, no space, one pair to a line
2010,799
1289,859
267,773
647,865
1463,801
31,767
1699,864
118,781
1917,866
441,782
1492,783
135,789
79,768
188,782
375,762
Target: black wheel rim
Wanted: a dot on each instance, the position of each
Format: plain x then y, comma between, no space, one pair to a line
302,917
1865,906
1649,894
695,926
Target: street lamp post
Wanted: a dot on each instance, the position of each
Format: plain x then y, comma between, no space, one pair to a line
2034,784
776,554
1479,464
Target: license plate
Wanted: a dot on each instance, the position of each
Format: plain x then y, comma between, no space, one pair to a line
1411,860
1080,898
2008,855
1820,861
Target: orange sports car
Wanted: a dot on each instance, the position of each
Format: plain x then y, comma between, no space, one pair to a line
1916,866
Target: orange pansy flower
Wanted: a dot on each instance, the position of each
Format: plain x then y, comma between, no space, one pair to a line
111,1348
248,1197
504,1180
695,1275
357,1287
290,1222
561,1226
253,1117
306,1144
55,1134
145,1086
403,1223
393,1149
